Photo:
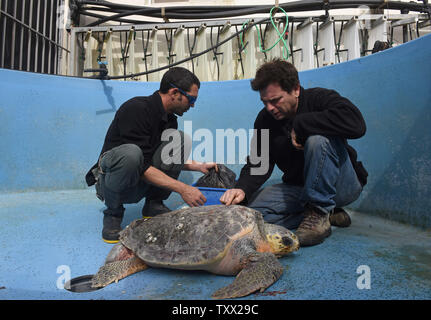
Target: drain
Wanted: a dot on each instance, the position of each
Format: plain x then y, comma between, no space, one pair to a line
80,284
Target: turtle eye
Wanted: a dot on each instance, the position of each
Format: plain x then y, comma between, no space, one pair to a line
287,241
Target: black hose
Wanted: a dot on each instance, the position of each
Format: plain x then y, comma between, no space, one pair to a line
191,57
209,12
95,15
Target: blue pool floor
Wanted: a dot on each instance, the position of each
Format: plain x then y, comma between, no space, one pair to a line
45,236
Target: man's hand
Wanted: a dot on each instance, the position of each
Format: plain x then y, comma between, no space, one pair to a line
192,196
295,144
199,166
232,196
205,167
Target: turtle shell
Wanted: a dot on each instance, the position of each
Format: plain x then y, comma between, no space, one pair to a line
190,237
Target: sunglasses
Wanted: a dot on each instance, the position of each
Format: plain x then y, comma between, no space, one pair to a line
192,99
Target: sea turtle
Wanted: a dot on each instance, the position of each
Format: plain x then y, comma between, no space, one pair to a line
226,240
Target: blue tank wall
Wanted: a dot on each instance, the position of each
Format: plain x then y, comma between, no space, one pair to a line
52,127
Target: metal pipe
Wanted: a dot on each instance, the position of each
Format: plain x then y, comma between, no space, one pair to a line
72,53
4,35
405,34
36,49
56,31
52,16
12,55
30,20
45,7
21,49
194,55
207,12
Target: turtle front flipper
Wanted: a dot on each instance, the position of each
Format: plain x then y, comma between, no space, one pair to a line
261,271
117,270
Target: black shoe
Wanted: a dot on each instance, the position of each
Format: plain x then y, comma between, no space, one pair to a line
314,228
339,218
112,225
153,208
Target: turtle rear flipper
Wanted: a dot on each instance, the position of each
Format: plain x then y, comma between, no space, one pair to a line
261,271
117,270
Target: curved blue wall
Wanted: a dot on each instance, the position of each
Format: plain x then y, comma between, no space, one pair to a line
52,127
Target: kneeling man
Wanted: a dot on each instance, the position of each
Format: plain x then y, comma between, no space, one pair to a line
308,129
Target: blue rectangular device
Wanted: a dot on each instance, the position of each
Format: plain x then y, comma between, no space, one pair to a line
212,194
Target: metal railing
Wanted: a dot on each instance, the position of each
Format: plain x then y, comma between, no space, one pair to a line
138,51
29,35
34,37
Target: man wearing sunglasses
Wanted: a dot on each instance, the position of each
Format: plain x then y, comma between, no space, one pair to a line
136,160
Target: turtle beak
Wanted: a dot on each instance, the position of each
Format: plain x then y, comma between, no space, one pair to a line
291,242
287,241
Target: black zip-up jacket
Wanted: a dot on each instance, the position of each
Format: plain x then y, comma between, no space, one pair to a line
140,121
320,112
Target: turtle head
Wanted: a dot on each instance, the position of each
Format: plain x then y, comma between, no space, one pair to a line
281,240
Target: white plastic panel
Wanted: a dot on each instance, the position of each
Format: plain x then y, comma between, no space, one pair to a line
270,39
201,63
108,54
131,63
178,46
351,41
249,55
225,59
303,41
155,76
327,43
90,57
378,32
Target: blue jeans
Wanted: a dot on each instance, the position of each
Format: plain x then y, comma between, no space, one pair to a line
329,181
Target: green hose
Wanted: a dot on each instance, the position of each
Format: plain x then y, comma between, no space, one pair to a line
280,38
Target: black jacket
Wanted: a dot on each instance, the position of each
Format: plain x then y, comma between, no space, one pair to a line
320,112
140,121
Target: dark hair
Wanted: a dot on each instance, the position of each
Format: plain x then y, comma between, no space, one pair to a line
180,77
276,71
